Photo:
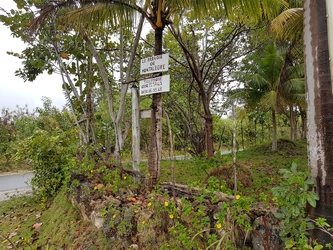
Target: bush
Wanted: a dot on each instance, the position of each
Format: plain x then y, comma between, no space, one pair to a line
51,158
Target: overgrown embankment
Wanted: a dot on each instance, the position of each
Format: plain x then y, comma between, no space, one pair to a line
110,212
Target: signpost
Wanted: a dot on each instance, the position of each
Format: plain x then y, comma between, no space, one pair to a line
153,64
155,85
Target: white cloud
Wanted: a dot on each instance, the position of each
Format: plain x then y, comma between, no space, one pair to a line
13,90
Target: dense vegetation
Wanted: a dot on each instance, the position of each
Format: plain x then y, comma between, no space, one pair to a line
46,143
218,63
57,223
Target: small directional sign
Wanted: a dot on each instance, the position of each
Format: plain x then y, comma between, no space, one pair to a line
159,63
155,85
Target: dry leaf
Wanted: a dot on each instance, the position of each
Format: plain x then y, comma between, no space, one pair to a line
12,235
37,225
64,55
99,186
131,199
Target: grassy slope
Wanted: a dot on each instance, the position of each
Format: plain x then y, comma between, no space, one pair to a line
25,224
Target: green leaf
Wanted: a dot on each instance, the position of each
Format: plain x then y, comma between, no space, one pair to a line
289,245
39,64
279,215
311,200
310,182
283,171
310,225
294,167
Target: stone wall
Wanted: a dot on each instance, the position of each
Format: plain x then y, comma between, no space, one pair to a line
130,220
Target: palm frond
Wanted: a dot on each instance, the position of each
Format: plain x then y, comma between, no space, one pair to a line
295,85
48,10
258,80
259,10
89,14
289,24
101,14
268,101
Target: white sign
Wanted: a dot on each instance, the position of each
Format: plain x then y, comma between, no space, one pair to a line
155,85
159,63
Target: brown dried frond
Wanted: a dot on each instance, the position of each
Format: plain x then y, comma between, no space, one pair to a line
47,11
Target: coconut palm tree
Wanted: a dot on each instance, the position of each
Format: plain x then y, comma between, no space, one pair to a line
260,86
319,109
318,78
159,13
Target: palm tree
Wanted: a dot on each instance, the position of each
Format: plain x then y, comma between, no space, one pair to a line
288,28
319,110
260,86
159,13
319,99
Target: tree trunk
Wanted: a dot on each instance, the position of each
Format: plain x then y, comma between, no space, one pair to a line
319,111
274,143
155,147
293,129
208,125
303,123
209,135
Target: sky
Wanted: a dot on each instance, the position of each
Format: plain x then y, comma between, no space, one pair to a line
13,90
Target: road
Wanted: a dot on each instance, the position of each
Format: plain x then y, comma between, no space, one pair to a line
11,184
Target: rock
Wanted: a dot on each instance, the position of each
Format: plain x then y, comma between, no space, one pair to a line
97,219
134,247
265,235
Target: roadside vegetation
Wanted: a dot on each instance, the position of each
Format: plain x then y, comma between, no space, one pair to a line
236,84
51,221
28,222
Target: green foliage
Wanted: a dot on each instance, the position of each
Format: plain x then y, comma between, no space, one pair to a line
293,193
190,223
51,160
49,150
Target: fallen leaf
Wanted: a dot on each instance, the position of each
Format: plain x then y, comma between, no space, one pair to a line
131,199
99,186
12,235
64,55
37,225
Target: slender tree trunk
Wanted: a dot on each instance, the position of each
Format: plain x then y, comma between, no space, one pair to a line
319,111
255,132
274,143
209,135
234,147
303,124
293,130
155,147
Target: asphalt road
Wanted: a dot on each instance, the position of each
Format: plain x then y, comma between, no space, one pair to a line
13,184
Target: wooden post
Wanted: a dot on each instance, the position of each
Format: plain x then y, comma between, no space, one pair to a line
135,128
